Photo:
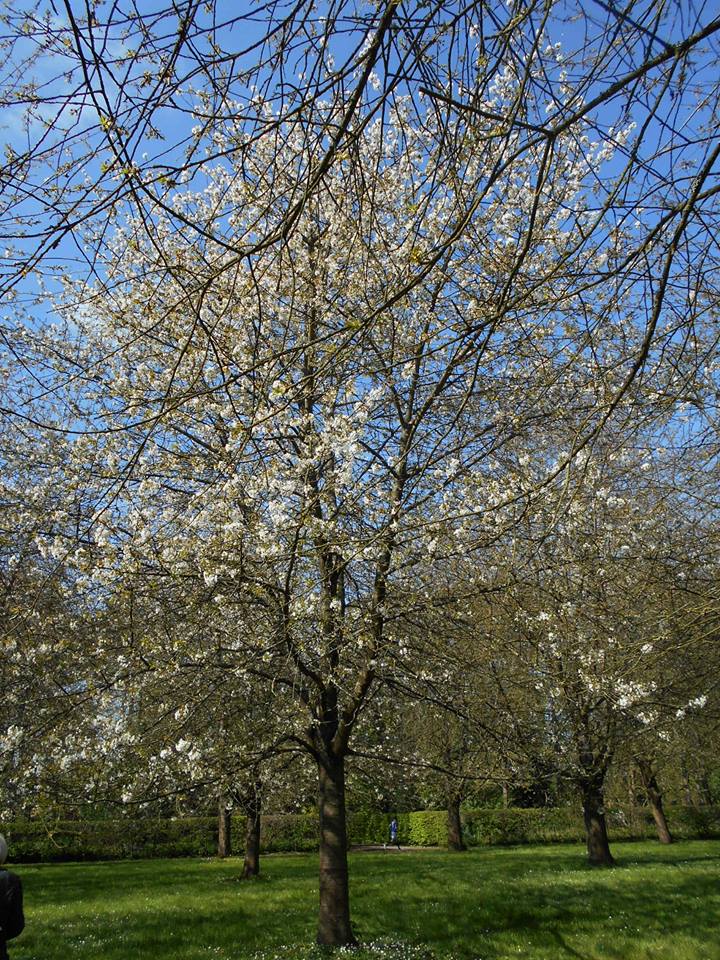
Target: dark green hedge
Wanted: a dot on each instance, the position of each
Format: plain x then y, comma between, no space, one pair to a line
33,841
283,832
494,827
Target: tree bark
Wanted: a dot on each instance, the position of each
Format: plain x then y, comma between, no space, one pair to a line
224,848
687,792
654,799
334,928
632,789
251,863
455,838
704,791
598,846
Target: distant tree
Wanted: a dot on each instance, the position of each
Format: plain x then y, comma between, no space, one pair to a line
607,615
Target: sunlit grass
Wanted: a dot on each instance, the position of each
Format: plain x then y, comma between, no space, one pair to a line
529,902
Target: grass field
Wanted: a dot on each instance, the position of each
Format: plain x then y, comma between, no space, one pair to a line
534,903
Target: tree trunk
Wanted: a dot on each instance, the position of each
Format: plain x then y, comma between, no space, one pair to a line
455,838
654,799
224,848
704,791
632,789
598,846
251,863
687,793
334,923
506,795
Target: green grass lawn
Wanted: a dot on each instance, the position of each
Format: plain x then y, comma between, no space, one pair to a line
527,902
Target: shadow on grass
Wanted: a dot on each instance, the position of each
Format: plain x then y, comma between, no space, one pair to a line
552,904
567,949
536,903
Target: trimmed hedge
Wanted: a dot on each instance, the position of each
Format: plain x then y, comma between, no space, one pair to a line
282,832
33,841
496,827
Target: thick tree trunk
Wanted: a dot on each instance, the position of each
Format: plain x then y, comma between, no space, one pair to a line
334,923
654,799
455,839
251,863
224,848
598,846
506,795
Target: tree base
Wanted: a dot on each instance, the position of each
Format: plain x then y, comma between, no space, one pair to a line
602,862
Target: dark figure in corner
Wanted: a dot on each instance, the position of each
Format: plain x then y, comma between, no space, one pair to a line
12,919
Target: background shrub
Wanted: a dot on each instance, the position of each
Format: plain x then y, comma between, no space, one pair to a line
35,841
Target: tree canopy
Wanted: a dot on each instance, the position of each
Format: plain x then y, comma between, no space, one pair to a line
353,350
